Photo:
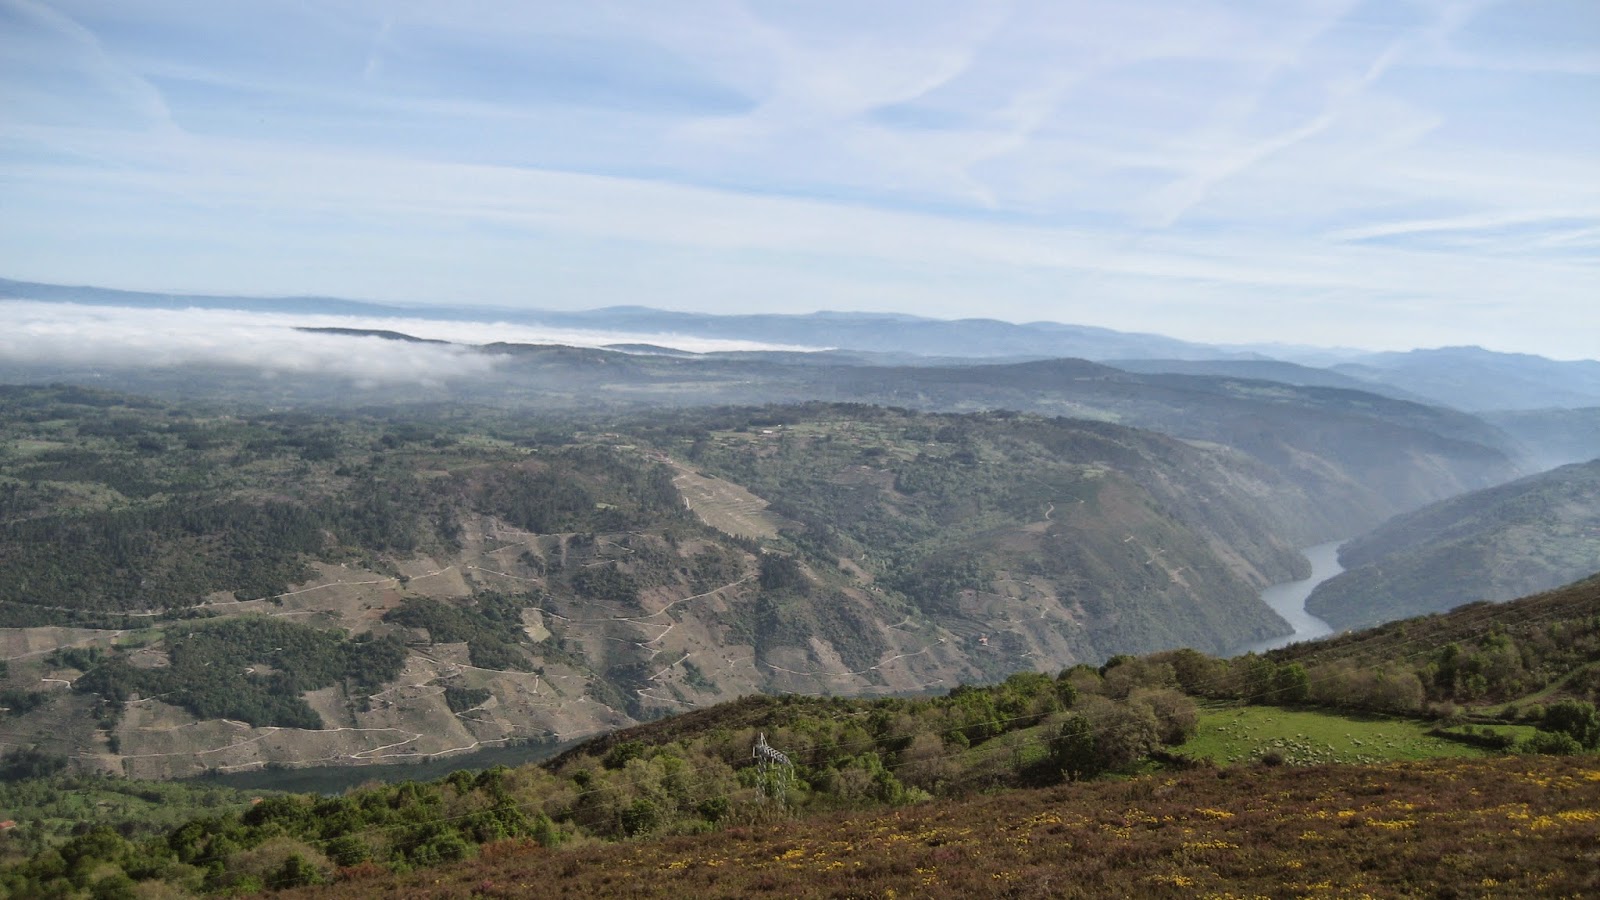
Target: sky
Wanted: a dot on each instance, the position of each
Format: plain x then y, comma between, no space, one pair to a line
1382,175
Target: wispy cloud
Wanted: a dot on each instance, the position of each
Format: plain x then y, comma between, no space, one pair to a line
56,56
1368,174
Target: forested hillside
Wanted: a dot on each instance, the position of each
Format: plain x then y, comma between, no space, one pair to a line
1495,544
1356,458
187,588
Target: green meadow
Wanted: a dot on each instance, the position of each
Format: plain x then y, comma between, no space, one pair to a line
1233,734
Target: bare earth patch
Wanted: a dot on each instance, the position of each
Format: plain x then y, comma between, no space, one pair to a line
725,506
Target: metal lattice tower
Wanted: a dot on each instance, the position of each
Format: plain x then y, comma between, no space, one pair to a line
773,765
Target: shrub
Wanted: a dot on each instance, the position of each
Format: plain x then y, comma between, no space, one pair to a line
1553,743
1574,718
1177,714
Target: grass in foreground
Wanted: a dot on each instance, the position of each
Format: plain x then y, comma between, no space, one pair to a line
1507,826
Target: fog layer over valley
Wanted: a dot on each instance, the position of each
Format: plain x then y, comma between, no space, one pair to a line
62,336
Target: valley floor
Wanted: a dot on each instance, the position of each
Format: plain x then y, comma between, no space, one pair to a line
1514,826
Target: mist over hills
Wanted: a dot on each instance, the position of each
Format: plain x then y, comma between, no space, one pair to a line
1356,458
1360,455
1551,437
1468,378
1475,379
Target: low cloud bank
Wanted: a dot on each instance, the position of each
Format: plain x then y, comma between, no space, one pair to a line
39,333
119,337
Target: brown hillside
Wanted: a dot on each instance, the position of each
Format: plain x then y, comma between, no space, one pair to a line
1507,827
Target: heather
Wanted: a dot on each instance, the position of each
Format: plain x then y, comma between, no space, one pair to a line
1502,827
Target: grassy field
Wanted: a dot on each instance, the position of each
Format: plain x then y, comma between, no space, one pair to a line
1231,734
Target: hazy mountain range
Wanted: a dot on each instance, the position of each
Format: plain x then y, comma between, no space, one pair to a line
1467,378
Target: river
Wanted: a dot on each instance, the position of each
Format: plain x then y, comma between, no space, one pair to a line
1289,600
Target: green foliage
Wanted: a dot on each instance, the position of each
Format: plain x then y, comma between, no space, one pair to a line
81,658
580,489
144,507
713,567
1291,684
1551,743
1072,748
18,703
168,555
461,699
491,628
620,754
1475,656
934,585
1575,718
214,671
781,573
29,763
607,583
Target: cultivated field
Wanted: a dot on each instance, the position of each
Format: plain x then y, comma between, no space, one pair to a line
725,506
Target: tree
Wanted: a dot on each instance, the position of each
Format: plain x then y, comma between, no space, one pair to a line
1575,718
1258,672
1072,749
1124,732
1291,684
780,572
1177,715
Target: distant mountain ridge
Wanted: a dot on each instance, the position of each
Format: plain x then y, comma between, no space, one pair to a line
1478,380
1265,370
866,331
1466,378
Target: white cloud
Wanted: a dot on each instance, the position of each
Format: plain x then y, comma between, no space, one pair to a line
70,334
75,334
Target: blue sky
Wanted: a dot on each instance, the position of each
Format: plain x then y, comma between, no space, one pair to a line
1385,174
